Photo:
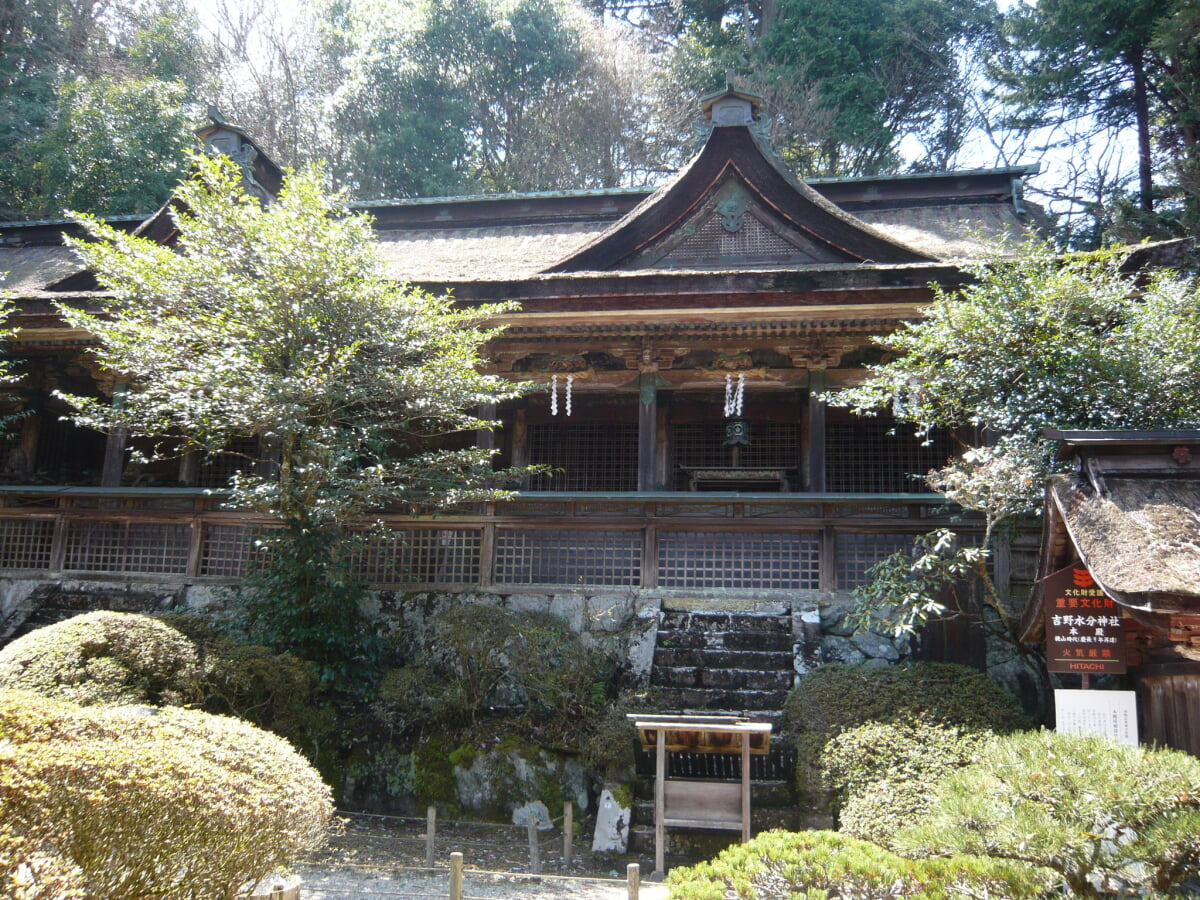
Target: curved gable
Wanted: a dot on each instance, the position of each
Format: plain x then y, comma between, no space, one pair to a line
734,206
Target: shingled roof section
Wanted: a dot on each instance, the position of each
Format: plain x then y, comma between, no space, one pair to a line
734,159
1131,515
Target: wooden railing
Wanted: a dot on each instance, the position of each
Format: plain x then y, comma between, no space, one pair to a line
532,542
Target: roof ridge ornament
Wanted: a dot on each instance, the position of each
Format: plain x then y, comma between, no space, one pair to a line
731,108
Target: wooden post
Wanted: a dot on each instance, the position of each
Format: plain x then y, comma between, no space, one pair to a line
189,465
647,430
535,856
745,788
114,446
568,832
660,802
816,433
633,877
485,438
430,835
520,443
456,876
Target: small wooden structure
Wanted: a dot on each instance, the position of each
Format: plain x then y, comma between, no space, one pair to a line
693,803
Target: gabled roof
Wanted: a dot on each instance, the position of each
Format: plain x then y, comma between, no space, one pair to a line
735,206
1131,514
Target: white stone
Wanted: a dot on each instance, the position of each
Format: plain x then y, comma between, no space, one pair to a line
569,608
534,810
612,825
641,649
529,603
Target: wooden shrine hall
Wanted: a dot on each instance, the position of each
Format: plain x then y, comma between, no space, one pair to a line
679,340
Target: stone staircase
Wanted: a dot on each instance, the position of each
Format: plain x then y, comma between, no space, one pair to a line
734,662
734,658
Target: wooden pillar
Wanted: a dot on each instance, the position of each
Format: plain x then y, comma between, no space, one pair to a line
520,443
664,475
660,803
745,787
189,467
815,463
485,438
31,431
647,431
114,446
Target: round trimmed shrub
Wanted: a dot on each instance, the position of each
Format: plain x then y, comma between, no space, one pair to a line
884,772
1110,819
27,872
147,802
824,865
836,697
104,657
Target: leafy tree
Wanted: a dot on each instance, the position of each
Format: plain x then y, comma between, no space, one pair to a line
847,82
117,147
1124,64
1038,341
1111,820
278,322
489,95
92,104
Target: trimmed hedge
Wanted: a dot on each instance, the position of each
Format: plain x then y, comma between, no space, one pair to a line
836,697
884,773
172,803
824,865
104,657
1111,819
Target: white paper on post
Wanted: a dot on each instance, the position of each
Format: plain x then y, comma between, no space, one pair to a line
1111,714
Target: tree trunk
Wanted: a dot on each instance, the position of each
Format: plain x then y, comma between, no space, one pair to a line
1141,104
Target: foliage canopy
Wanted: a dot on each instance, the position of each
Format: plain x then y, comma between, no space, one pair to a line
1039,341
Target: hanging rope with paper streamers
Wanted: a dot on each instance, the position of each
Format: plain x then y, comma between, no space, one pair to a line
554,394
734,396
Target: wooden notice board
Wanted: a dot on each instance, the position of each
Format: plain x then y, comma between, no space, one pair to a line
694,803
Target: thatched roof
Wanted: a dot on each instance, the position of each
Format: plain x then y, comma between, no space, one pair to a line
1139,537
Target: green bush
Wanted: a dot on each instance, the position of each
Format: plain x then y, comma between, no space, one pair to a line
823,865
834,698
104,657
1111,819
479,656
884,773
29,872
172,803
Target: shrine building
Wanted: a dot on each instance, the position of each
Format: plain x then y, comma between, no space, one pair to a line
680,342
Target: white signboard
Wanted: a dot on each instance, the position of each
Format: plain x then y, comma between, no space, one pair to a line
1111,714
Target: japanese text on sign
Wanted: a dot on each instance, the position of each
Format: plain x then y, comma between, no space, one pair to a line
1084,632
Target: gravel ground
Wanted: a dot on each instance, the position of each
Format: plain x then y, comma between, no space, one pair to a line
325,884
377,856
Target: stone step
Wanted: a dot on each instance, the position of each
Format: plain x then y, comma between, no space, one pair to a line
768,661
728,679
693,621
713,701
680,639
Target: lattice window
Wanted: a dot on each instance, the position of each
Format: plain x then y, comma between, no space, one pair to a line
243,455
229,550
753,242
773,445
25,543
611,558
736,560
148,547
590,456
862,457
419,556
858,552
